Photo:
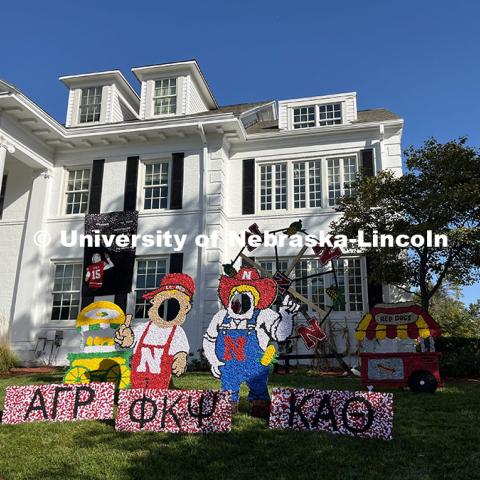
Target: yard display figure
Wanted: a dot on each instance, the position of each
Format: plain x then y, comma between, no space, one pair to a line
99,360
95,271
404,322
236,343
160,347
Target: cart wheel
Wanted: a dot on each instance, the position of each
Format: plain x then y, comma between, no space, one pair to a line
77,375
119,375
422,382
114,374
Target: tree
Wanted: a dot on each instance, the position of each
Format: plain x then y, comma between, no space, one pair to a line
456,320
440,192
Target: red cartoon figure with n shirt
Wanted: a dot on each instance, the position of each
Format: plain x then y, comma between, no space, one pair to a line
160,347
95,271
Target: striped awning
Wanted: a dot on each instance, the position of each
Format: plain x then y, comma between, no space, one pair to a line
397,320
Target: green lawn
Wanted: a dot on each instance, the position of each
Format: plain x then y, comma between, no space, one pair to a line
435,436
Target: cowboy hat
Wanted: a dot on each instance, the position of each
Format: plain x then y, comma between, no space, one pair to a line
174,281
266,287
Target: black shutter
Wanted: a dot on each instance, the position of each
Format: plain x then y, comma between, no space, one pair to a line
368,164
95,202
176,192
176,263
129,203
375,290
2,194
96,187
131,178
248,187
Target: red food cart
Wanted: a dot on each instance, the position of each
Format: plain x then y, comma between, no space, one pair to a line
417,370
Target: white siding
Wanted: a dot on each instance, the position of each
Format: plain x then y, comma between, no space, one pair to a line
196,103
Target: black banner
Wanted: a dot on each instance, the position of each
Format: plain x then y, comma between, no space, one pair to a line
109,259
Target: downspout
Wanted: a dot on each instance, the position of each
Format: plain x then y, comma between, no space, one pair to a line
203,224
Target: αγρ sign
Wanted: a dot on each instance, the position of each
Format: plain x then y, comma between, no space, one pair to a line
57,403
360,414
192,411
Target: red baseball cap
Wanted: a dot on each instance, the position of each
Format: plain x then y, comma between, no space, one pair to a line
174,281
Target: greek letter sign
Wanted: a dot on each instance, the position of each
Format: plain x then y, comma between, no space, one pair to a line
57,403
360,414
177,411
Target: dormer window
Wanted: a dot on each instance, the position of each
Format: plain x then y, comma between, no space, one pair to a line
330,114
90,104
165,97
317,115
304,117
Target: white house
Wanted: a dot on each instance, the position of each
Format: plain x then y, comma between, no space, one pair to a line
189,166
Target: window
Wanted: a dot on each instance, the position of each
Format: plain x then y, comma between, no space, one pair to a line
299,188
2,194
330,114
165,96
304,117
66,291
77,189
90,104
317,115
307,186
354,279
342,172
156,186
271,265
273,187
349,279
149,274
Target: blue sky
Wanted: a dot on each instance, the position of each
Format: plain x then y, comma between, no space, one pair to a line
420,59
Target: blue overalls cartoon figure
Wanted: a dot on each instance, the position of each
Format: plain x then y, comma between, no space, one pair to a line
238,336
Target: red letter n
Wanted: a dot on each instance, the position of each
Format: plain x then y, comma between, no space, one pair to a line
237,347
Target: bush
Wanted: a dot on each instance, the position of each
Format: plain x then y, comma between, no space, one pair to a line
7,358
460,356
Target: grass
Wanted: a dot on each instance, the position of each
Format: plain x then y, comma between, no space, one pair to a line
435,437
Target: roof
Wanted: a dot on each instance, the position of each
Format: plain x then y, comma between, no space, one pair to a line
375,115
239,108
192,65
363,116
116,75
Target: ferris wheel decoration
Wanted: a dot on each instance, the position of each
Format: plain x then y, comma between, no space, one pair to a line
311,333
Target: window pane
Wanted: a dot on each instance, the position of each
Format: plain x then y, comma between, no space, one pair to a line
149,274
266,187
334,190
349,174
314,184
90,104
354,276
338,266
304,117
281,186
330,114
165,96
77,189
156,186
66,291
299,198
